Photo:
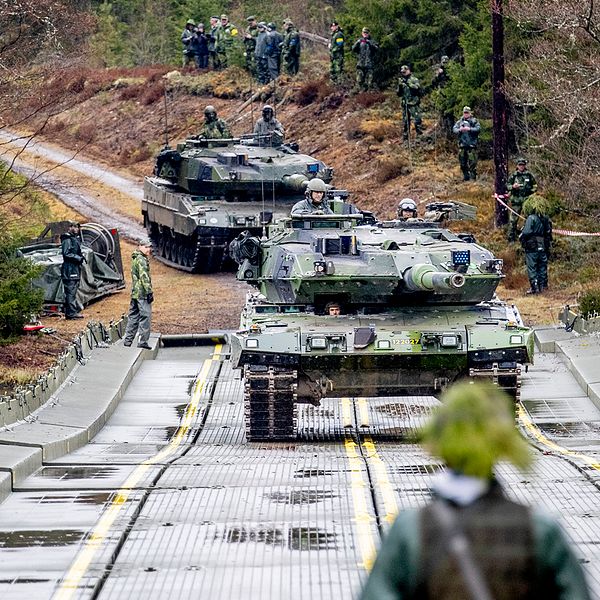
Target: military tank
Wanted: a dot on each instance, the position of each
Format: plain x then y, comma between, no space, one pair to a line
417,308
206,191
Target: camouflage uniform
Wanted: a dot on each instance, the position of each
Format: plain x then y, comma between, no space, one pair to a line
186,38
215,130
336,54
467,144
290,51
409,89
260,54
365,47
225,46
306,207
213,57
140,307
250,45
527,186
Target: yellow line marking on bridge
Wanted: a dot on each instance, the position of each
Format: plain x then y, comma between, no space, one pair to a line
70,583
536,433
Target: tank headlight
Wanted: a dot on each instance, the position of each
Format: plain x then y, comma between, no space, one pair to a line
449,341
251,343
320,267
233,175
201,221
384,345
248,274
240,220
516,339
318,343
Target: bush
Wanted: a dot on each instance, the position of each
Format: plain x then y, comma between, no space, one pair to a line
392,168
589,304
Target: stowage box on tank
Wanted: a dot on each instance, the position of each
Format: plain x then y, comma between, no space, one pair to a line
204,193
418,311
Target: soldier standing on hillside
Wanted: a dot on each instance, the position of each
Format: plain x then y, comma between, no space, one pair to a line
410,91
536,239
274,42
199,45
226,36
440,79
250,36
213,57
260,54
336,52
214,128
521,184
290,50
366,48
186,39
467,128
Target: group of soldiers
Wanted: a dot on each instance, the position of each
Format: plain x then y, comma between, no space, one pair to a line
266,51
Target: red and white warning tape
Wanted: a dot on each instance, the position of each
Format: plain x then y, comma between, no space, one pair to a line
567,232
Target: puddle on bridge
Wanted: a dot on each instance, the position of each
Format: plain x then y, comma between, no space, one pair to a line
414,469
300,496
79,472
576,429
399,409
95,498
305,473
294,538
29,538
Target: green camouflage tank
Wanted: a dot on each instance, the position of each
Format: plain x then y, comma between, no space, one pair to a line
204,193
417,311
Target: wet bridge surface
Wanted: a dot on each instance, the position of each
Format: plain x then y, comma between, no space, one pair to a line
169,500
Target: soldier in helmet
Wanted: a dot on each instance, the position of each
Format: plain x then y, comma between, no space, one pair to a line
521,184
314,202
536,239
366,49
290,50
407,209
214,128
471,540
268,130
187,36
410,91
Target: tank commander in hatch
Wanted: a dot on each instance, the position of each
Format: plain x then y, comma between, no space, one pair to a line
214,128
268,129
407,209
314,202
333,309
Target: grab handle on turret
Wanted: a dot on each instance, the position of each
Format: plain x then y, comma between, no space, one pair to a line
425,278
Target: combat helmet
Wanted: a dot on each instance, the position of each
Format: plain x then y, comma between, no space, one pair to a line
190,22
315,185
210,112
521,160
407,204
267,110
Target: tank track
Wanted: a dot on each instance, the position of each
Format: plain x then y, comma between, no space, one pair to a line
508,380
199,254
270,395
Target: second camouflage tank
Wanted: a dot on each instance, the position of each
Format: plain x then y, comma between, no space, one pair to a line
204,193
416,311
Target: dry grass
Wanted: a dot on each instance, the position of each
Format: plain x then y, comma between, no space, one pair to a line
393,167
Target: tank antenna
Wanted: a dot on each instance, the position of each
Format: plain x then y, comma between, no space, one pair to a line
166,118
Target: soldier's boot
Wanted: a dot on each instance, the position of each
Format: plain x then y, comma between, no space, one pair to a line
466,175
534,289
473,175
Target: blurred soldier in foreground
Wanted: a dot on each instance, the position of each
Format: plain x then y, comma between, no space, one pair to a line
520,185
186,39
467,128
268,130
290,49
140,307
70,271
214,128
336,52
314,201
366,48
407,209
471,542
536,239
213,57
409,90
250,45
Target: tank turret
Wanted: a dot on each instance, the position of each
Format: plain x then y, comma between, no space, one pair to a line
343,308
205,192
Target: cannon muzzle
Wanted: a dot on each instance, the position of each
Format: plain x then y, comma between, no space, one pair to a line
425,278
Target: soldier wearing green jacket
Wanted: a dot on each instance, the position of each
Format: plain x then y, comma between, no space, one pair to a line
410,91
521,184
214,128
226,35
471,541
366,49
290,50
140,307
336,52
536,239
250,36
467,128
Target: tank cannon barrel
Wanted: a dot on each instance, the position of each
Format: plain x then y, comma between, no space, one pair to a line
425,278
296,182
